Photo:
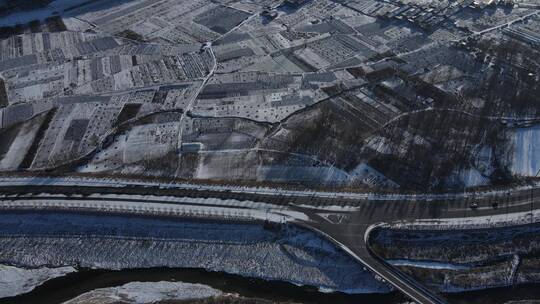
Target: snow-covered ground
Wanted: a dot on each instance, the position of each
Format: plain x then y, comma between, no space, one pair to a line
146,292
88,181
464,260
427,264
19,147
54,8
15,281
477,222
473,178
526,154
288,254
177,206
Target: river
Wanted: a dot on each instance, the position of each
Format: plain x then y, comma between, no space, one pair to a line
64,288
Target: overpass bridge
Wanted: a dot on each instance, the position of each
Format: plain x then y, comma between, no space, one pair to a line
345,219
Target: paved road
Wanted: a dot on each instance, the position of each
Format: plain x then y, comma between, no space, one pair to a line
345,219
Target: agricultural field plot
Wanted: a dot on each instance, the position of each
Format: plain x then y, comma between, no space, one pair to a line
261,96
410,95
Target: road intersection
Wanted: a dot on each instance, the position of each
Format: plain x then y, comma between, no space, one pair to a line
345,219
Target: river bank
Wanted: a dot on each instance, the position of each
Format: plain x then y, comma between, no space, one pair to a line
62,289
277,252
133,248
72,285
454,261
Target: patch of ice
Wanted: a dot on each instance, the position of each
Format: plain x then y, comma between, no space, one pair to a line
147,292
526,154
15,281
472,178
427,264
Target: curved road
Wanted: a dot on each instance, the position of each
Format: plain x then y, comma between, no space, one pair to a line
344,218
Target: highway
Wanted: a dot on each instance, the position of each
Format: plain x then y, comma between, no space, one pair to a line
346,219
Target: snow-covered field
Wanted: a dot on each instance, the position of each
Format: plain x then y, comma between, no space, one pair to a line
146,292
473,178
18,149
526,156
15,281
288,254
